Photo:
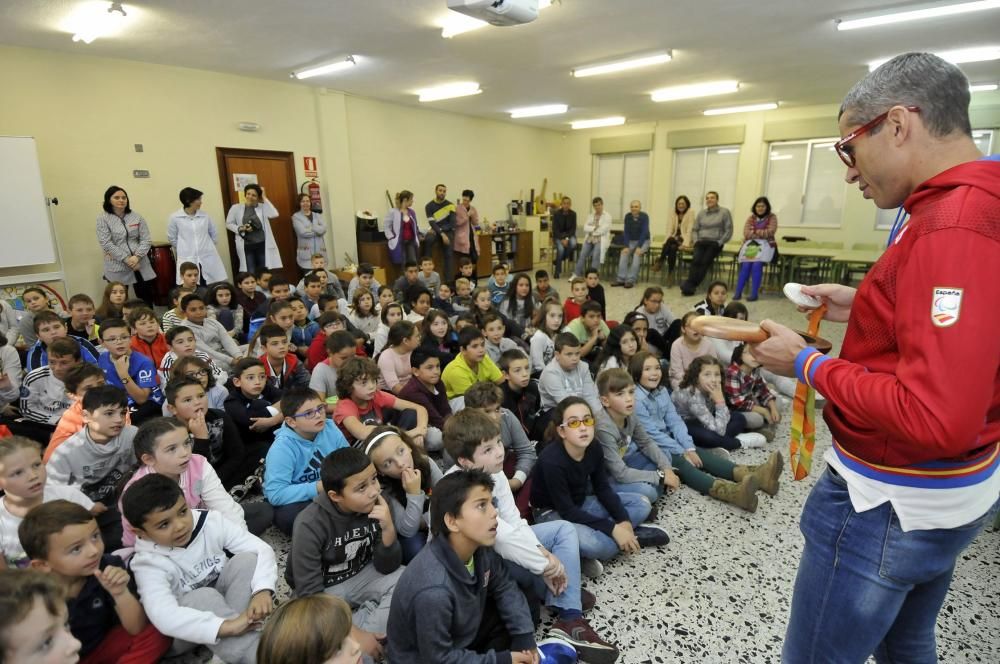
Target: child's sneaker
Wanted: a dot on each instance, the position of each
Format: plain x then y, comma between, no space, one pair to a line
750,440
649,535
591,567
591,647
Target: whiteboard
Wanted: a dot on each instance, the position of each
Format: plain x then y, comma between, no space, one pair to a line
25,231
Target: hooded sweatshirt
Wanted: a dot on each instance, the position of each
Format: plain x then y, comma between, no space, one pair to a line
96,469
615,441
918,377
437,606
291,469
163,574
330,546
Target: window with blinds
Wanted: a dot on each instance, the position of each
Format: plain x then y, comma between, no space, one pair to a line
619,179
805,183
700,170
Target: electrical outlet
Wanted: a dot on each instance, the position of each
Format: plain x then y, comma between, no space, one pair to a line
138,147
140,174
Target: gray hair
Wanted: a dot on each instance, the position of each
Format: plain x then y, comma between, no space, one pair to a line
938,87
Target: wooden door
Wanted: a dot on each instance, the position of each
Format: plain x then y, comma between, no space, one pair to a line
275,173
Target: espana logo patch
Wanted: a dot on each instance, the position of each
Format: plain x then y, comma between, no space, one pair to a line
946,306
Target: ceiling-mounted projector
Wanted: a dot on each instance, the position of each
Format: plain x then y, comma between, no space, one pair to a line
498,12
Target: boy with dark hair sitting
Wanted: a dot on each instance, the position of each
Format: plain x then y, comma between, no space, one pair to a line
81,323
362,406
48,327
520,393
545,558
62,539
191,588
254,406
364,278
471,365
437,613
284,370
147,337
132,372
424,388
97,459
543,289
567,375
590,329
33,619
344,543
291,471
43,393
487,398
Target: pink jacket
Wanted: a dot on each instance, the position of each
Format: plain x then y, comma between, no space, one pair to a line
202,490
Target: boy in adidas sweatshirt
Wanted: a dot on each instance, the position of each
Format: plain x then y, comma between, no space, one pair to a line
190,588
344,544
292,466
97,458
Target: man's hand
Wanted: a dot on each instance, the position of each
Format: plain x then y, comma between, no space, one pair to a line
261,606
411,481
370,642
624,537
113,579
837,298
778,352
693,458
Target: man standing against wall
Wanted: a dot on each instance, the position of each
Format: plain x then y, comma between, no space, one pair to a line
713,227
440,214
596,234
913,401
564,233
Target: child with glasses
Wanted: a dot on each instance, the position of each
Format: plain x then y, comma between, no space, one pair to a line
291,475
570,482
195,368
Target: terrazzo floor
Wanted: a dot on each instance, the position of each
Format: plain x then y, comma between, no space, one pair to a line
720,591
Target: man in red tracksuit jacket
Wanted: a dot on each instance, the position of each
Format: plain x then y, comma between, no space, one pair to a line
913,401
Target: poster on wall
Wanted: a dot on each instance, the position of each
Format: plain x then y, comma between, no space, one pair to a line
241,180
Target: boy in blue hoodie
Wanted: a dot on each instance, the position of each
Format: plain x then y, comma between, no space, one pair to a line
292,466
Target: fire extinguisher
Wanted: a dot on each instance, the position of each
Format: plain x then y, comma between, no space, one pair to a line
312,188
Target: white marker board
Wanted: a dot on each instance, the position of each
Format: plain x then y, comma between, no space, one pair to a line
25,231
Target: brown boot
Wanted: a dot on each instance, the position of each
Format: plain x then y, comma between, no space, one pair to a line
742,495
768,474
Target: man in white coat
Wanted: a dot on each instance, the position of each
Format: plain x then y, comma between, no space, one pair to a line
250,221
192,234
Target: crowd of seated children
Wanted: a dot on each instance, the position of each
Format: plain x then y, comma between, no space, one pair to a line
349,454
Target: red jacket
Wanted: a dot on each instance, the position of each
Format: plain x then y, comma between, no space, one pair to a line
918,377
154,351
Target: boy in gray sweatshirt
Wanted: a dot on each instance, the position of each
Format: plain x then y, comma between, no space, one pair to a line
344,543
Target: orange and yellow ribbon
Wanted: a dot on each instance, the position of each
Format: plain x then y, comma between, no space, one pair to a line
803,425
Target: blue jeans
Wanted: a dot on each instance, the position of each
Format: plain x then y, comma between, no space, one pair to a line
562,253
866,587
594,543
411,545
590,250
634,458
560,538
631,274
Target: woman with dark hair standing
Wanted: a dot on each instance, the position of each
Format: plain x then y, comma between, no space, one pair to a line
402,231
192,233
310,233
758,247
250,222
125,240
678,235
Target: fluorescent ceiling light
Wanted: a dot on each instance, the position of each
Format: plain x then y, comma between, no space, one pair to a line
450,91
346,63
454,23
622,65
917,14
728,151
695,90
598,122
96,19
779,157
956,57
742,109
983,87
535,111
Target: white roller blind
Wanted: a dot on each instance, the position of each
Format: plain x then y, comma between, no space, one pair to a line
805,183
700,170
720,175
786,165
635,180
621,178
825,187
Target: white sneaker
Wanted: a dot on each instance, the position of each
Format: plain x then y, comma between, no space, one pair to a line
751,440
572,277
591,568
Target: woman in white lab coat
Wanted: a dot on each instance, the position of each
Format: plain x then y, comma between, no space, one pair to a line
250,222
192,234
310,230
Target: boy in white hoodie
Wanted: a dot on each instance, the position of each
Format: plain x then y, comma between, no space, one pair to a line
190,588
